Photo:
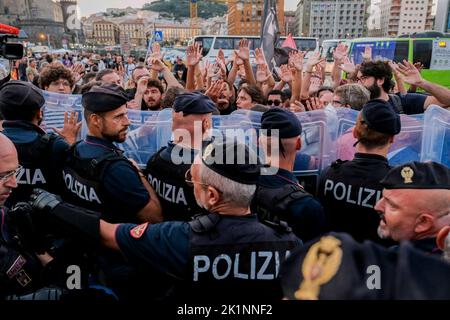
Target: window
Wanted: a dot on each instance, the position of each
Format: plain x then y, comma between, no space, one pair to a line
422,52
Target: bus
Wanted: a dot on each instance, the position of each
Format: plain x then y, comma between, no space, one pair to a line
212,44
432,52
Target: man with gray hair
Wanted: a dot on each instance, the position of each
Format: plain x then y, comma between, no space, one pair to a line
225,251
352,95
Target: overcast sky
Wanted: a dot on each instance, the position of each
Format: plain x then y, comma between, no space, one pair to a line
92,6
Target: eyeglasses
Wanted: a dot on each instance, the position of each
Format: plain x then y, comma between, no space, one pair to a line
362,78
336,103
6,177
189,181
275,103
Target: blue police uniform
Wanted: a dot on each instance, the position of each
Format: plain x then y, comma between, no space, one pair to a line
280,197
234,252
40,155
305,215
120,193
168,178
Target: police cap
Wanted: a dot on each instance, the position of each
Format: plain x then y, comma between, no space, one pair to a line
104,98
283,120
381,117
337,267
193,103
233,160
418,175
20,94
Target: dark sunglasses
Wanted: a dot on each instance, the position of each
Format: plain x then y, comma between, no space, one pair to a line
275,103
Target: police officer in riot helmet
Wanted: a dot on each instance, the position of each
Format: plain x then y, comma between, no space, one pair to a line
40,153
279,196
349,190
416,204
226,251
191,121
97,175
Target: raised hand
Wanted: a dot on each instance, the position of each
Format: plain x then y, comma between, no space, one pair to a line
193,55
314,60
340,52
71,127
157,65
221,56
367,55
215,90
142,86
214,71
244,50
314,104
78,71
297,106
347,66
286,74
156,51
296,59
409,73
259,56
262,74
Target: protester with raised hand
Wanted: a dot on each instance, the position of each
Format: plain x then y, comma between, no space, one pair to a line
313,61
244,54
296,64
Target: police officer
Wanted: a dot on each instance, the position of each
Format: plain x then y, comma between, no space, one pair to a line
336,267
225,251
167,168
21,271
40,154
349,190
96,174
279,195
416,204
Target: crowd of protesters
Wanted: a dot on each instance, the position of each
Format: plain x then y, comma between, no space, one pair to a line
380,207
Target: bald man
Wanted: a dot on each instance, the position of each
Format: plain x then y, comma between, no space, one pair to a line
167,168
9,165
416,204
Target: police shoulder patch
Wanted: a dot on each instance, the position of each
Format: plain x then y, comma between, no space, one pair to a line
138,231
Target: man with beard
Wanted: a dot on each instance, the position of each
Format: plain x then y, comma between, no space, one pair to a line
149,94
96,174
40,154
376,76
416,204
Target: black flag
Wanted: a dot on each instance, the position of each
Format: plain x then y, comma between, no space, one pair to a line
270,32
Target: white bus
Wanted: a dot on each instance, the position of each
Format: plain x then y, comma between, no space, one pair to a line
212,44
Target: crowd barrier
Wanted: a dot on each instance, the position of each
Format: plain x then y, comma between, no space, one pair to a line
327,134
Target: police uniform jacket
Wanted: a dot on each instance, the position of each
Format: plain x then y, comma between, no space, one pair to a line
349,190
226,257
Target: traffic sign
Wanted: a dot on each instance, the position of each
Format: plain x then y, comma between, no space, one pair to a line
158,36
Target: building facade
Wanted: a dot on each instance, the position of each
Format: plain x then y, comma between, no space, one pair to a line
399,17
442,20
134,32
245,17
106,33
332,19
174,32
290,22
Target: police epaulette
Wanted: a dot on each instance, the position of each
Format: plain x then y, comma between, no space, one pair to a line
338,162
204,223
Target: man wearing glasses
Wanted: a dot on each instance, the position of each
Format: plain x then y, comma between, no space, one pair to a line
225,251
416,204
22,270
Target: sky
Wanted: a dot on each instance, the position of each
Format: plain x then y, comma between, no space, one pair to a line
88,7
